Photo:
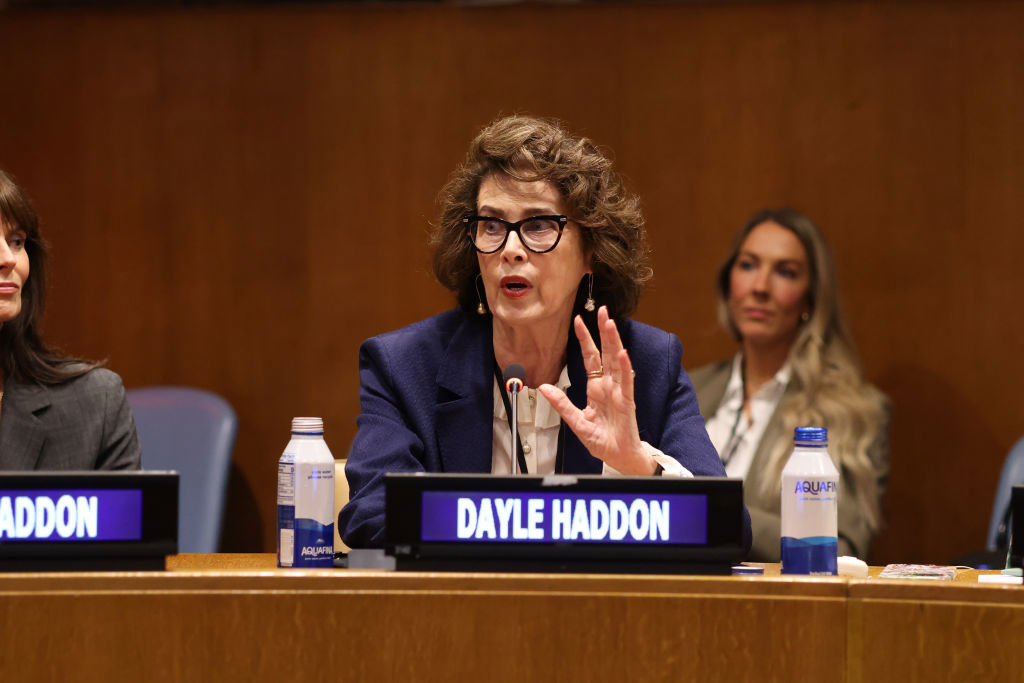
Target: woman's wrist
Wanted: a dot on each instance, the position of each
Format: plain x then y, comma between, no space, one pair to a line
647,464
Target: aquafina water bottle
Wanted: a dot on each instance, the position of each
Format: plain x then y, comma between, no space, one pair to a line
305,498
810,497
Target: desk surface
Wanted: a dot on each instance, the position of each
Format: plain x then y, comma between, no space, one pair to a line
213,617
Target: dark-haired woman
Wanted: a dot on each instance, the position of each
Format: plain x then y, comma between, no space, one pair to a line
56,413
541,244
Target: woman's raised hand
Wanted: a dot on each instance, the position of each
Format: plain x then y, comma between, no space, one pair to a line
607,426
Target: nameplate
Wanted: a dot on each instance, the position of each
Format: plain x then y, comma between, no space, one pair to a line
71,515
57,521
558,523
564,517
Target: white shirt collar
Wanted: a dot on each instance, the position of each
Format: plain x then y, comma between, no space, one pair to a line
737,443
533,407
771,390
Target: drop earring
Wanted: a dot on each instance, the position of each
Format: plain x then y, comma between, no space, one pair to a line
589,303
480,308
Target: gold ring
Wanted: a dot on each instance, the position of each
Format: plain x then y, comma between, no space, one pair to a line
593,374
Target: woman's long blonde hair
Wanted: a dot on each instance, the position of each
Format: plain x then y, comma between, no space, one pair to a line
824,366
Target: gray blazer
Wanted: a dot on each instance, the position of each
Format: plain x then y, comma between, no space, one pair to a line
82,424
855,536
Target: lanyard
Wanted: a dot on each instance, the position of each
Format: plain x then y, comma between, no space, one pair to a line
735,439
560,450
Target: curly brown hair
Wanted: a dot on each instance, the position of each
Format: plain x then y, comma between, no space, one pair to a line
528,148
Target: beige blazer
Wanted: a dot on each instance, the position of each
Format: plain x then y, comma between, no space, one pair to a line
710,383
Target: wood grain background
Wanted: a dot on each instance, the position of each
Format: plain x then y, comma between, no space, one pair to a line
372,626
236,198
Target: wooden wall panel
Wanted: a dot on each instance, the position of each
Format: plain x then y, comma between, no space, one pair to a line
238,197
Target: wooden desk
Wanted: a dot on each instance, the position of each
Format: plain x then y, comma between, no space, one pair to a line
935,631
237,617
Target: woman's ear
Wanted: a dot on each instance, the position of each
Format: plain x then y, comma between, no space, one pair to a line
588,259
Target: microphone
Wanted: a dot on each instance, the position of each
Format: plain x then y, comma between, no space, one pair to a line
515,380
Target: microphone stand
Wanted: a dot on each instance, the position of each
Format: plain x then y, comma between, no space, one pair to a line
514,400
514,378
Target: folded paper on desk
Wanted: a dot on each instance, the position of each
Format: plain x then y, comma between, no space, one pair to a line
1000,578
932,572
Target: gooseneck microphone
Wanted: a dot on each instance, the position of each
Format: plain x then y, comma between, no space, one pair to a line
515,380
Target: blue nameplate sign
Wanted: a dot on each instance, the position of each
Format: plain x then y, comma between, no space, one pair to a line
549,517
71,515
564,523
59,521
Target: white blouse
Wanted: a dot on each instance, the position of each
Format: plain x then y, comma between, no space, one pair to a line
538,431
734,436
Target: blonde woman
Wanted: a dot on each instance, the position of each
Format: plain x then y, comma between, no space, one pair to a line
778,297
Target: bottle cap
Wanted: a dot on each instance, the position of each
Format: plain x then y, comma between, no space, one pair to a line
813,435
307,425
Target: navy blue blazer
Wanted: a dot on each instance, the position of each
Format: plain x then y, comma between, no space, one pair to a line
426,393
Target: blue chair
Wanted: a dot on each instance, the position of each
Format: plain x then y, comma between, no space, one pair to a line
1013,473
191,431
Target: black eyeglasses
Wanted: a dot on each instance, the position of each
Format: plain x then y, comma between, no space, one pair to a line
539,234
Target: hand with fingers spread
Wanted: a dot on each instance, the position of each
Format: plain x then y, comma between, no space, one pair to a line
607,426
527,226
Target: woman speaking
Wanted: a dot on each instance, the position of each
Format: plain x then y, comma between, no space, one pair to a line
778,297
545,252
56,413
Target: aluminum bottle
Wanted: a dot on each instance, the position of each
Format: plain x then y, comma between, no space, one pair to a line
305,498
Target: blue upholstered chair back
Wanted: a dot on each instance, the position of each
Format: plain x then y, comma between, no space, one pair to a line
1013,473
191,431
